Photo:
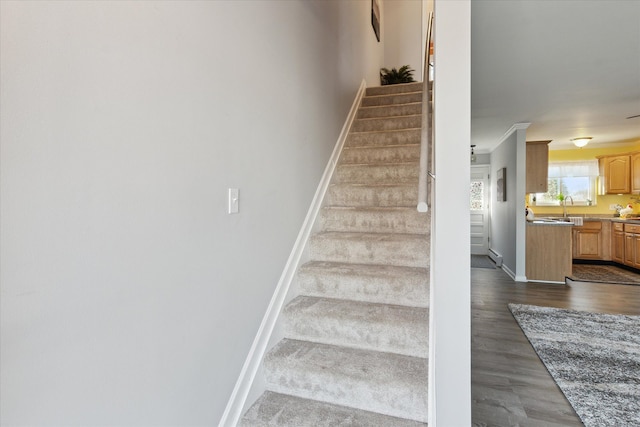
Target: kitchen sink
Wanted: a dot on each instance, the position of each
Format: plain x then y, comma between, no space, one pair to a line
551,220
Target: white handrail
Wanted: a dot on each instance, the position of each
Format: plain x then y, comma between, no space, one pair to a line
427,126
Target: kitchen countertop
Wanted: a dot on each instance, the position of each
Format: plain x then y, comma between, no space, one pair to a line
550,223
630,220
633,220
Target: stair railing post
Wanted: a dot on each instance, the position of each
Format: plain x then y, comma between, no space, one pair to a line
426,140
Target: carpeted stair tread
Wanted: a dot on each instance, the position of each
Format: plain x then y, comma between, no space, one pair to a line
374,219
381,154
356,335
384,137
385,173
409,250
387,123
392,89
358,195
399,98
380,327
383,284
275,409
390,110
386,383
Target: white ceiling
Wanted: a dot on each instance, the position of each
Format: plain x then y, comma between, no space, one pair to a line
570,68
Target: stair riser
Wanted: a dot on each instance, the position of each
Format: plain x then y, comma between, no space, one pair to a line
390,328
353,220
387,123
385,196
393,89
357,392
394,137
390,111
382,174
274,409
318,379
412,253
390,154
409,288
405,98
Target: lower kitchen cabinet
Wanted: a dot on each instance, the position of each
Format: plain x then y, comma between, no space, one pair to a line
548,251
592,241
636,251
632,245
617,242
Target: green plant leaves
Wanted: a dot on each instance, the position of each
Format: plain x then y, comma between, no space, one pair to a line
395,76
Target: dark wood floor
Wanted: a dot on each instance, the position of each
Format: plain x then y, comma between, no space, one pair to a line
510,385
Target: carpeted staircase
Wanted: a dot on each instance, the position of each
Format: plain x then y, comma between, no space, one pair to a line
356,338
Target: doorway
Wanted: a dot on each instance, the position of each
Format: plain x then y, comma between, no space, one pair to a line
480,209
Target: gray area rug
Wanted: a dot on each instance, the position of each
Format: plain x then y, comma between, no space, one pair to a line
482,261
604,274
594,358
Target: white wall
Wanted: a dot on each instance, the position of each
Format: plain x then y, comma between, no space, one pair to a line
507,218
521,183
402,36
360,54
482,159
450,308
503,214
128,295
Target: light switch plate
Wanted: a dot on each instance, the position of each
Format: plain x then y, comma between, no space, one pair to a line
234,200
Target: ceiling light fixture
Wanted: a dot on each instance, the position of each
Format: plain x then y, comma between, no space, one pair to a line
582,141
473,155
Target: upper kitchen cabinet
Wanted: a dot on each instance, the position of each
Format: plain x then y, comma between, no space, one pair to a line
621,173
537,166
616,171
635,173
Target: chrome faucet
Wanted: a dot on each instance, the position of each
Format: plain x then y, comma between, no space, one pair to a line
564,205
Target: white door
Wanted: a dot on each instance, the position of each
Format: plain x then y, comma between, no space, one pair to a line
480,209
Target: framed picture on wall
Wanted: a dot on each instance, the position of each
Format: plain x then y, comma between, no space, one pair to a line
501,181
375,18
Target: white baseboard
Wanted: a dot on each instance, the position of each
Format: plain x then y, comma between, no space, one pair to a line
496,257
238,399
552,282
508,271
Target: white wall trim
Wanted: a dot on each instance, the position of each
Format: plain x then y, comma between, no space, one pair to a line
515,127
554,282
512,129
509,271
233,410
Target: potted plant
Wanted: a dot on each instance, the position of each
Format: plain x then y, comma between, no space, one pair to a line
403,74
